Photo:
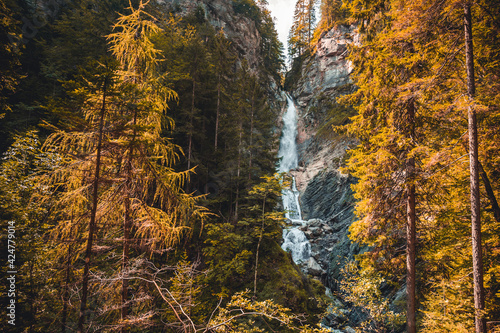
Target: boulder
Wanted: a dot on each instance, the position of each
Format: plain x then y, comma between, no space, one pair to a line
314,268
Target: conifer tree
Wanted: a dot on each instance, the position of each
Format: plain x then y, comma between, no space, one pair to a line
146,149
223,61
477,255
267,221
9,53
271,47
301,32
387,113
141,189
427,76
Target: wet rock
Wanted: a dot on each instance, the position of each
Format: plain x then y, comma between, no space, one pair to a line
314,268
327,229
328,197
315,223
308,233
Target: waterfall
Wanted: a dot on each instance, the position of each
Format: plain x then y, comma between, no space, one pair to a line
288,143
295,240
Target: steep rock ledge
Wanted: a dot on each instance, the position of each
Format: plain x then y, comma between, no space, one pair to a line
328,68
326,195
239,29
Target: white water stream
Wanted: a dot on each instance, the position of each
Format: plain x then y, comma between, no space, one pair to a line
295,240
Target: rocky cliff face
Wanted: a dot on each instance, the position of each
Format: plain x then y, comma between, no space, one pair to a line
241,30
326,196
328,69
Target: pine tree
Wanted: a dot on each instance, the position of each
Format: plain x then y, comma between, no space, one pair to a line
271,48
267,221
223,62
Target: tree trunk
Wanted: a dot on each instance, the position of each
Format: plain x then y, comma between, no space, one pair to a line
93,213
410,227
238,173
251,136
125,259
126,229
477,260
218,110
258,247
487,185
191,120
490,193
65,296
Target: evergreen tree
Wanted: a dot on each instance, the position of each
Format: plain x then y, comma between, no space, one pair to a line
25,219
301,32
9,54
223,63
271,48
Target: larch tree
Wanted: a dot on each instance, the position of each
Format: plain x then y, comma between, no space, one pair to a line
412,59
477,254
389,73
455,33
155,207
142,197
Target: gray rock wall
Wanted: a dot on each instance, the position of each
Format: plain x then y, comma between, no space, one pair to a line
239,29
326,196
328,68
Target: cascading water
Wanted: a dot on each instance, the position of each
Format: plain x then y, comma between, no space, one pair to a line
295,240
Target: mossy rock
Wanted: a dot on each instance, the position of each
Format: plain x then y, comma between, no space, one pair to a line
282,281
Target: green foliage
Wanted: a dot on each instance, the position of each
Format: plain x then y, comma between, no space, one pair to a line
362,289
302,30
21,209
295,73
411,54
232,247
252,245
271,48
247,8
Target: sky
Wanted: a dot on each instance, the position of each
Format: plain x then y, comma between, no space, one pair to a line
282,12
